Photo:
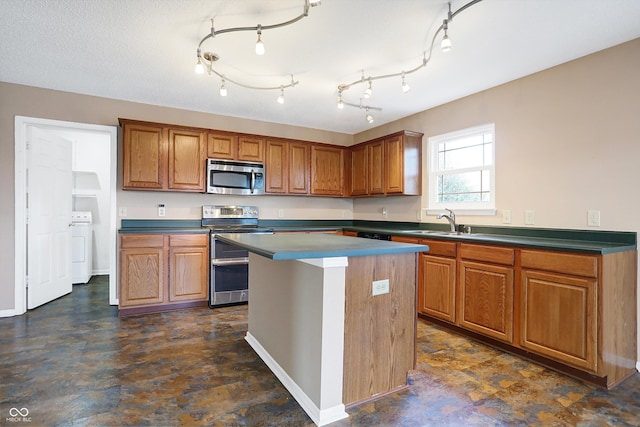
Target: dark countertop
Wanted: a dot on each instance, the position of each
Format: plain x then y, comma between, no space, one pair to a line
168,226
585,246
301,246
585,241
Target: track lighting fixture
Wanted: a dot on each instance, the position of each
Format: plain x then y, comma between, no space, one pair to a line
405,87
340,103
259,44
281,97
445,45
205,60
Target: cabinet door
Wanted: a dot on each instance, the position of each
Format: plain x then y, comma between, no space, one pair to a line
298,163
559,317
250,148
376,167
359,170
394,165
486,299
188,276
187,157
436,287
327,166
142,276
276,167
144,157
222,146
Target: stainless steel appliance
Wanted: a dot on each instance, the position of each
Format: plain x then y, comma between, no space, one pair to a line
376,236
233,177
229,278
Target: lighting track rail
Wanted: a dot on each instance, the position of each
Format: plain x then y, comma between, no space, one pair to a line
445,46
205,60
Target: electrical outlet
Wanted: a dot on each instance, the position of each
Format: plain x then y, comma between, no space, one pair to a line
506,216
122,211
380,287
161,210
529,217
280,213
385,213
593,218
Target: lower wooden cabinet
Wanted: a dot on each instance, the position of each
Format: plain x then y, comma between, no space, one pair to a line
486,299
572,311
437,287
559,317
158,271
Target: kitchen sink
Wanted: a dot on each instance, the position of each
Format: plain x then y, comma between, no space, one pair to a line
429,232
439,233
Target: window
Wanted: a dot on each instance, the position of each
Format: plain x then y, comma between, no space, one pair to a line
461,170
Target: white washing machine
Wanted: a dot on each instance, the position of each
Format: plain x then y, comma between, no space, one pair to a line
81,246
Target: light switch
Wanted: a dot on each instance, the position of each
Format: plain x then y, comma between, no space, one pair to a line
529,217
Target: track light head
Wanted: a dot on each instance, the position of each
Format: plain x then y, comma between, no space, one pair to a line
223,88
259,44
281,97
405,86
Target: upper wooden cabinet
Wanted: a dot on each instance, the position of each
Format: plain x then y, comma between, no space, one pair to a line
187,155
251,148
162,158
387,166
287,167
144,156
221,145
231,146
376,168
359,168
327,170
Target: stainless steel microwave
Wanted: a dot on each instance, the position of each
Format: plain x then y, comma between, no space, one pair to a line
235,177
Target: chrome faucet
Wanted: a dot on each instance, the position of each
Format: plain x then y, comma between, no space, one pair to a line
451,218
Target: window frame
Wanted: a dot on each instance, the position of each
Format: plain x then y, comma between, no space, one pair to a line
469,208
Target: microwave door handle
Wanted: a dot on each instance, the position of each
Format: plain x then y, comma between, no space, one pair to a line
253,181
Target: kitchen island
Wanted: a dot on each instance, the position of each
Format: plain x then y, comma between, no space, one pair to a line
333,317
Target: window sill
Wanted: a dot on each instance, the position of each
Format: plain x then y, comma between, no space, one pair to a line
464,212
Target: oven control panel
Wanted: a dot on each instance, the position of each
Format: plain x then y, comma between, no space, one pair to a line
218,211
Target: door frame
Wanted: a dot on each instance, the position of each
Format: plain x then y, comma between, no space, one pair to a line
22,123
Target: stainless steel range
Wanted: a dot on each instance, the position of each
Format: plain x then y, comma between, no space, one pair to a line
229,278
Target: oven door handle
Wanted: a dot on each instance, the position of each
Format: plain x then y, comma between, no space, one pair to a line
230,261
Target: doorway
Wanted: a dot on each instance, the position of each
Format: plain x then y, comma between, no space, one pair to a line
68,130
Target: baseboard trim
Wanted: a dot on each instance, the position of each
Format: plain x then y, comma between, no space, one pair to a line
318,416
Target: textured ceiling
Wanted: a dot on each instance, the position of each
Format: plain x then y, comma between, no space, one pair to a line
145,51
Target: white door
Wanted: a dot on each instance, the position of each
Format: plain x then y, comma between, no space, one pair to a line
49,184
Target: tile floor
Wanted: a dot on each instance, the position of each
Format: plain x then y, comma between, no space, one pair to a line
74,362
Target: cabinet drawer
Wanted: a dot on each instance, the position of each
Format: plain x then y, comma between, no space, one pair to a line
404,239
439,247
578,265
141,241
492,254
188,240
